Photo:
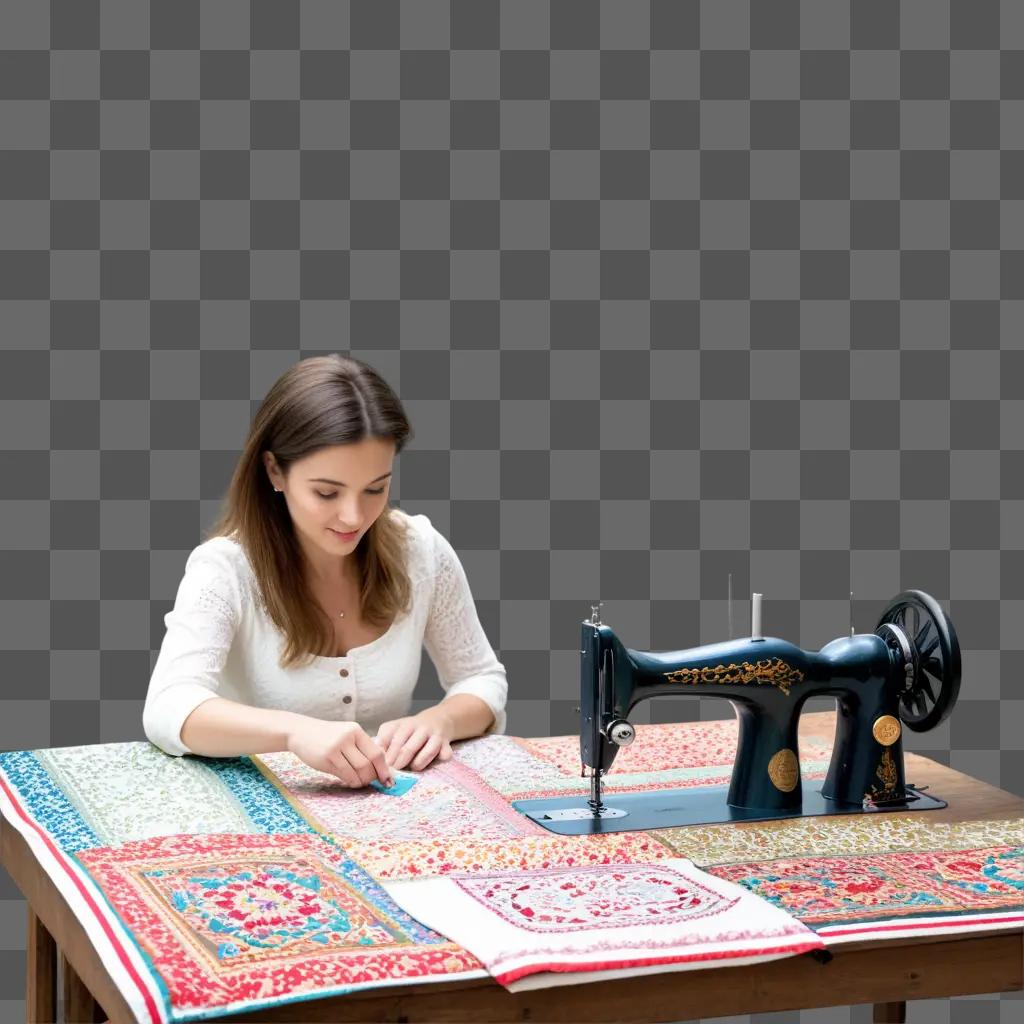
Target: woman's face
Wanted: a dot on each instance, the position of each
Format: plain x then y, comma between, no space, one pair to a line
337,491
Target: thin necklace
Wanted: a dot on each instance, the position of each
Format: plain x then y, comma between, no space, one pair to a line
341,615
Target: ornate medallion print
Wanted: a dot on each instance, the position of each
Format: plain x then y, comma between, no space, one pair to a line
223,918
608,896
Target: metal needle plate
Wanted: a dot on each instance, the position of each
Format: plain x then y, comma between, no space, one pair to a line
704,805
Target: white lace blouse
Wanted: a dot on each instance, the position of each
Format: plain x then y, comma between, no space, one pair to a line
220,642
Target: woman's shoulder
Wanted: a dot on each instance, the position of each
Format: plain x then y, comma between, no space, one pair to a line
221,546
421,543
222,554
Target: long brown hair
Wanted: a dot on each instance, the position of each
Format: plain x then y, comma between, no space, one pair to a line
317,403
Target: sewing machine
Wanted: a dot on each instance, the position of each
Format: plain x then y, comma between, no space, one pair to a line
905,673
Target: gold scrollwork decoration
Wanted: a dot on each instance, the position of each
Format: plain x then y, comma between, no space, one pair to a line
773,671
887,774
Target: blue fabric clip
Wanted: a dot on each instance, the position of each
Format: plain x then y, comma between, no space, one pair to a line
402,784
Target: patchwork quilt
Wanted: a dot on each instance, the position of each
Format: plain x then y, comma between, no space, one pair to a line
213,885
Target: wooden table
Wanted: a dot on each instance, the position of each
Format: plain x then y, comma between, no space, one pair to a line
886,972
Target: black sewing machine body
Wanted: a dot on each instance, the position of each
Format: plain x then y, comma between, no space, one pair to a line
906,672
768,681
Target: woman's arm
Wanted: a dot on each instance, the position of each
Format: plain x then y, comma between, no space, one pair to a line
224,728
457,644
201,628
462,715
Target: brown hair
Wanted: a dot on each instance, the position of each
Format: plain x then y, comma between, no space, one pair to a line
317,403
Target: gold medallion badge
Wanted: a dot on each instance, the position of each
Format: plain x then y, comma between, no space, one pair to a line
784,770
886,730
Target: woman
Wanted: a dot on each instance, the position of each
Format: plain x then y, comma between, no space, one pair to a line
299,623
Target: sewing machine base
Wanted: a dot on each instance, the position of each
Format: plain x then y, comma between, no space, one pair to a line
704,805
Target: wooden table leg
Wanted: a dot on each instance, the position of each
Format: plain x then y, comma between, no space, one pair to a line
79,1005
40,973
890,1013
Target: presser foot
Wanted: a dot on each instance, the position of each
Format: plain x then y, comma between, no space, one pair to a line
595,804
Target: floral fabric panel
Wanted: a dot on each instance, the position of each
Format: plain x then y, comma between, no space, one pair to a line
661,757
134,791
109,793
835,835
432,858
444,804
547,922
920,893
656,748
254,920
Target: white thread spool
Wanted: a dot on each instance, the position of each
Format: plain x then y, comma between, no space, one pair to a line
755,617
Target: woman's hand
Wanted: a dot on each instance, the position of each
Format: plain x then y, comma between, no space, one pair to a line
341,749
417,739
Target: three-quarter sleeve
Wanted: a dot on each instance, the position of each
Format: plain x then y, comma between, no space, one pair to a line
200,630
456,641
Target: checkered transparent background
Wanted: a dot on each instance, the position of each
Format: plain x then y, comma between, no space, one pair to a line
670,290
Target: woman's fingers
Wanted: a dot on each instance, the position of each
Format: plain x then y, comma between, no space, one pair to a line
402,736
410,748
361,758
374,760
344,770
361,763
427,753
